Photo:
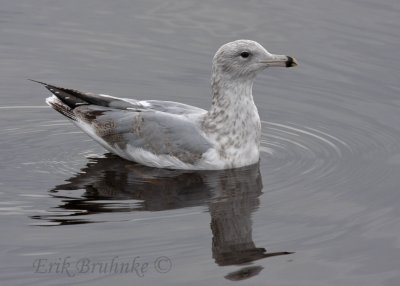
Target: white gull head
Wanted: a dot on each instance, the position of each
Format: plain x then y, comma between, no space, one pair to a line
243,59
233,123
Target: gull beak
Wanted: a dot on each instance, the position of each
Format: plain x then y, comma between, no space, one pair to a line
280,61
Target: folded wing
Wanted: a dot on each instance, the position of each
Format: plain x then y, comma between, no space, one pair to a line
132,128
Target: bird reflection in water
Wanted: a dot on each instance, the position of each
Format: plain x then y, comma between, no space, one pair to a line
231,196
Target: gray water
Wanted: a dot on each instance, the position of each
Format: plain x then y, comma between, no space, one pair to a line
321,208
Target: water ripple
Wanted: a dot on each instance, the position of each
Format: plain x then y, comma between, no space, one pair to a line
291,151
42,145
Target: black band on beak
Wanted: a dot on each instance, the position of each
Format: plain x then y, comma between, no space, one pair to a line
289,62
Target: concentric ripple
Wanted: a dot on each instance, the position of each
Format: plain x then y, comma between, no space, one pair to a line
37,141
326,156
301,150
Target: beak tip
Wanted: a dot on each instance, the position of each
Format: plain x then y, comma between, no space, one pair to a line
291,62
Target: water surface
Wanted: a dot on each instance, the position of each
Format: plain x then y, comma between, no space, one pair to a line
321,207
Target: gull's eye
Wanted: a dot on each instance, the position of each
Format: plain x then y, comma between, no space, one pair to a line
244,54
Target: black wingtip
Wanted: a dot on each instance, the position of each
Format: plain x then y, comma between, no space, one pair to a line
45,84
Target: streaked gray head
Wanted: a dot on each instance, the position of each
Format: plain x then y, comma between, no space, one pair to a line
242,59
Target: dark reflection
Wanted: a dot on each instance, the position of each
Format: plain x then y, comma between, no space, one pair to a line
237,197
112,178
244,273
231,196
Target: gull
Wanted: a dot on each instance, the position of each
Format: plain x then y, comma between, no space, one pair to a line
172,135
